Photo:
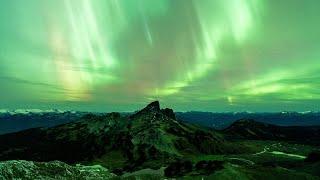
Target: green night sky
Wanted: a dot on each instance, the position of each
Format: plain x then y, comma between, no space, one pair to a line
117,55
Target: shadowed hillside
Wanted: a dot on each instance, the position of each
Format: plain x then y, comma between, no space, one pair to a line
151,137
250,129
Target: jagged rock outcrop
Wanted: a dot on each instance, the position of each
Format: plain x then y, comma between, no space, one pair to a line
29,170
152,107
169,112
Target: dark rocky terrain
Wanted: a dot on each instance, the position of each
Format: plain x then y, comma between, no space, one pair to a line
153,144
250,129
149,138
222,120
29,170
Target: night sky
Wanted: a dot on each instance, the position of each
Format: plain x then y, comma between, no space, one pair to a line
117,55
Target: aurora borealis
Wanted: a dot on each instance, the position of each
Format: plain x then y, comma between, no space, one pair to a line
211,55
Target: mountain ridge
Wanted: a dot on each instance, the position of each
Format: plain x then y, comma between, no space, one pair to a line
251,129
149,135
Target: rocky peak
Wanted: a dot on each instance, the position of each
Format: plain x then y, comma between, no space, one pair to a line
169,113
150,108
153,106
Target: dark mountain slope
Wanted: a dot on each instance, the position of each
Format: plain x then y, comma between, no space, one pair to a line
250,129
13,122
224,119
149,135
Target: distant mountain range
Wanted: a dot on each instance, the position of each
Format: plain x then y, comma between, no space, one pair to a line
31,111
21,119
253,130
223,120
17,120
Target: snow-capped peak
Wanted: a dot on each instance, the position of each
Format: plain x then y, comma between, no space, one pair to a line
27,111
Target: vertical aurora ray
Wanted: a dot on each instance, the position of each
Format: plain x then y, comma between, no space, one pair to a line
81,51
237,21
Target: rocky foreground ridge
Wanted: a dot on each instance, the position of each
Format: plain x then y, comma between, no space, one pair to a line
29,170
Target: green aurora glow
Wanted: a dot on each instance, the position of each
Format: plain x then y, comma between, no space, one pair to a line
115,55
